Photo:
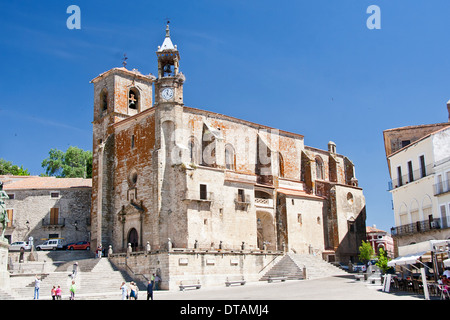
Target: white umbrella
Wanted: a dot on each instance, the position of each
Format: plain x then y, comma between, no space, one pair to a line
447,262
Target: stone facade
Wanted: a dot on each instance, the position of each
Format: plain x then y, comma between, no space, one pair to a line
210,181
43,207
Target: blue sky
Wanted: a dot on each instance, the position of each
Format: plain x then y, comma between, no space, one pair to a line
309,67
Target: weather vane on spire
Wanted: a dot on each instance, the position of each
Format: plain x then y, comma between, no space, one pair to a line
125,58
167,28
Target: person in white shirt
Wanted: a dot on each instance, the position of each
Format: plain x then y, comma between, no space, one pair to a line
447,273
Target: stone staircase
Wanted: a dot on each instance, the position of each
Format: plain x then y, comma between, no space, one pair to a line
96,279
291,266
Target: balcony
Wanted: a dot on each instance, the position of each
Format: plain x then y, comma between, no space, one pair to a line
410,177
421,226
51,222
264,203
441,187
241,201
199,196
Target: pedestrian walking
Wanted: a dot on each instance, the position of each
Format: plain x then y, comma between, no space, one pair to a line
37,285
99,251
75,270
150,290
157,282
124,289
58,292
72,289
53,293
133,291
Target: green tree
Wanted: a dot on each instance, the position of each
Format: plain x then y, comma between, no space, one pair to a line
365,251
74,163
6,167
382,261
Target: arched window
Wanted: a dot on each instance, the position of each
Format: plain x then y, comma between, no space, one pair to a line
230,157
133,99
319,168
208,147
280,165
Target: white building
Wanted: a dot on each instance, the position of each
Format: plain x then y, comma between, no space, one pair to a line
420,173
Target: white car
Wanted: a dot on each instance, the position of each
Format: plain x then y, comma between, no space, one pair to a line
52,244
16,246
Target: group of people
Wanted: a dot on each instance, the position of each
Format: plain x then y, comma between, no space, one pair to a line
444,279
130,292
56,292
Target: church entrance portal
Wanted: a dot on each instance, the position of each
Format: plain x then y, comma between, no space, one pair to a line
133,239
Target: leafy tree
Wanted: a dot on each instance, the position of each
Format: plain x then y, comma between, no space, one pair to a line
365,251
74,163
6,167
382,261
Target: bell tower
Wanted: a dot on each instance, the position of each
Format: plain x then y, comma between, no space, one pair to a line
169,85
168,139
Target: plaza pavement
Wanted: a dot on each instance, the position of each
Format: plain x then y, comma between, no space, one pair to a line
332,288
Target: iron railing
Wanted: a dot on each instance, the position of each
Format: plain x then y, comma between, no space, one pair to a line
441,187
410,176
421,226
60,222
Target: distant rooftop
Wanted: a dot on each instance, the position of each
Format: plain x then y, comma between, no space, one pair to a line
35,182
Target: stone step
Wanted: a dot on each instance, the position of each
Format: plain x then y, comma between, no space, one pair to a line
292,265
7,295
96,277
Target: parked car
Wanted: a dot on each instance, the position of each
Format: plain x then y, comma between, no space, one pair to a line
65,247
359,267
80,245
51,244
343,266
16,246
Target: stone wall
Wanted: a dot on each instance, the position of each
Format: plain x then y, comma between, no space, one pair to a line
31,214
209,268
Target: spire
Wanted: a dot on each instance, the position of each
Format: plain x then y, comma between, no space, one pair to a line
168,57
167,30
167,44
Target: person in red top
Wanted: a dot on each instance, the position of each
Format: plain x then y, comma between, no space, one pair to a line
53,293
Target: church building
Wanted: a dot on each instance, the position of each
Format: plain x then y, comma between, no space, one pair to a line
168,176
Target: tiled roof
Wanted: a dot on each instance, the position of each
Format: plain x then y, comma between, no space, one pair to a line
373,229
46,183
298,193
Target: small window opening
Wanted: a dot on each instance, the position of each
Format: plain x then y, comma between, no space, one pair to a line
104,100
241,195
203,192
54,194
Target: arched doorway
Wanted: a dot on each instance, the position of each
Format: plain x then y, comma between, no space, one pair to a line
265,230
133,239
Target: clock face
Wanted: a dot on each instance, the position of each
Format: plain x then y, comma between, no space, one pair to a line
167,93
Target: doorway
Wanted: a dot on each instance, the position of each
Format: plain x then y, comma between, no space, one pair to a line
133,239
